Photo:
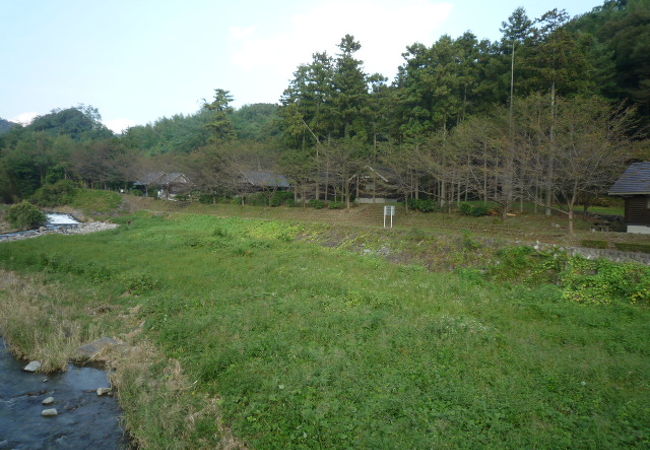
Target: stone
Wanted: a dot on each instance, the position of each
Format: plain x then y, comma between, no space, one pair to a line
103,391
33,366
48,401
41,229
92,349
49,412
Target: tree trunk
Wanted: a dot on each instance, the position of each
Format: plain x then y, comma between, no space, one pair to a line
357,187
347,195
374,188
550,168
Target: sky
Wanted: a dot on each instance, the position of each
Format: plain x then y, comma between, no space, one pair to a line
139,60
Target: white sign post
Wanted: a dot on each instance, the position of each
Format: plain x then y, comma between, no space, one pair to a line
389,211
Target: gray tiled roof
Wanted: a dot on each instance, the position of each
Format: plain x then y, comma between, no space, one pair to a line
635,180
162,179
150,178
266,179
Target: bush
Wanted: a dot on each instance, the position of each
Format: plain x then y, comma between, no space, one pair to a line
422,205
60,193
594,244
581,280
526,265
206,199
601,281
317,204
25,216
468,209
336,205
138,283
281,198
626,247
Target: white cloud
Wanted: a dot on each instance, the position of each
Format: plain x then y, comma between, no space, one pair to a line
119,125
24,118
384,29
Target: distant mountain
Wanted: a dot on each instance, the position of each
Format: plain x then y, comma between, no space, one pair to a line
5,125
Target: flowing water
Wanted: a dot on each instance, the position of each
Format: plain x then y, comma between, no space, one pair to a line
84,419
57,220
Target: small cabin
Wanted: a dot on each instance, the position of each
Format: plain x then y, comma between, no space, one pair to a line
169,185
634,187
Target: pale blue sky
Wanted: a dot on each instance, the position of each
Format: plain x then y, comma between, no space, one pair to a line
137,60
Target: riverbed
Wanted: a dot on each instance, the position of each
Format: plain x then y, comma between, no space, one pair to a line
59,224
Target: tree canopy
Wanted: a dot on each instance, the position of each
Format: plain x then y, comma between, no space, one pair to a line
464,118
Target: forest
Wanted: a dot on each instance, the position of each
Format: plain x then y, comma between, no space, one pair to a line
549,114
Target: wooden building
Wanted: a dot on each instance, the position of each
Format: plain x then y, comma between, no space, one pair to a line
634,187
168,185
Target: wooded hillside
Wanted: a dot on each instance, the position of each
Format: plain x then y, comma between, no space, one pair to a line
550,113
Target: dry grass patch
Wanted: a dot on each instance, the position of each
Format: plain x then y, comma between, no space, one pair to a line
48,321
38,321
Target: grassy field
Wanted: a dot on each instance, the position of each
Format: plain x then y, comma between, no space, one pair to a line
93,201
525,228
289,343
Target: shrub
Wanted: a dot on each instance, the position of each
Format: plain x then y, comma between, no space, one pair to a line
468,209
525,264
59,193
206,199
281,197
581,280
25,216
601,281
181,197
138,283
317,204
627,247
422,205
336,205
594,244
480,210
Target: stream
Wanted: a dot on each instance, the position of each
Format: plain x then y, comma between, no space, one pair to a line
55,221
84,420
